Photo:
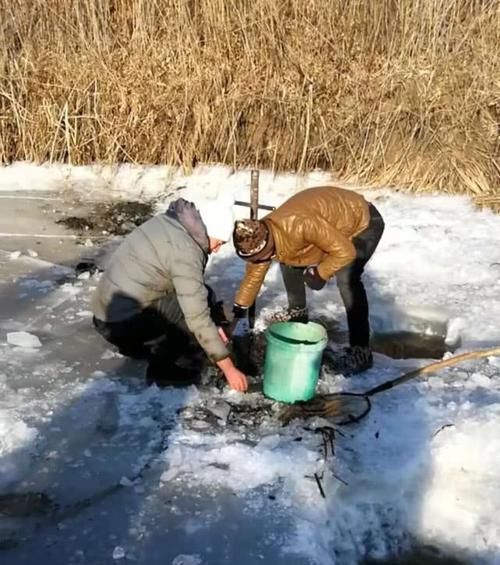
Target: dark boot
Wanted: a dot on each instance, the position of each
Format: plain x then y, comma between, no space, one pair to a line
298,315
291,315
350,361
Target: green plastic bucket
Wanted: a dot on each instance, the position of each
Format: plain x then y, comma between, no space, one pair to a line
293,360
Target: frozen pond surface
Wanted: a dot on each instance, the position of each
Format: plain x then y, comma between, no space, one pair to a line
96,468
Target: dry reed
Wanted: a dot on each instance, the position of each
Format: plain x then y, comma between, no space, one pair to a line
396,92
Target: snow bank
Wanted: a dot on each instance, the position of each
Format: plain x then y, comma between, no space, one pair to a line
136,182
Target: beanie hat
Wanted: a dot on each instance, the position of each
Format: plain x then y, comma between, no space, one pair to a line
218,218
250,237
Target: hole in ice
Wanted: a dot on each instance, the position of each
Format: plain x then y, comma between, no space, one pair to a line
412,334
409,345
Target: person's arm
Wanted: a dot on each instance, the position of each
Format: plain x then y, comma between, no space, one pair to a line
251,284
339,250
187,277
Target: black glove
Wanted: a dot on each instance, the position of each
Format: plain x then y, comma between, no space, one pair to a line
239,312
312,278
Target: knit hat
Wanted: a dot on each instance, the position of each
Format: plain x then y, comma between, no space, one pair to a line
250,238
218,218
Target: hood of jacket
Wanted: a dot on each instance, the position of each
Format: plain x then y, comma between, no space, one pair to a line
188,216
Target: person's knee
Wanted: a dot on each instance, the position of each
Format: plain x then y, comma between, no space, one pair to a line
346,280
350,285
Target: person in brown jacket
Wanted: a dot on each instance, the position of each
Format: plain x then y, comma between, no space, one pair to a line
318,234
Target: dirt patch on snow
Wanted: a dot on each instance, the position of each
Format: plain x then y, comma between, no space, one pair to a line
109,218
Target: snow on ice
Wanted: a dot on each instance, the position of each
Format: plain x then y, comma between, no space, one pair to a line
424,465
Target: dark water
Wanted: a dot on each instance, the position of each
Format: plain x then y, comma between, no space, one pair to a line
408,345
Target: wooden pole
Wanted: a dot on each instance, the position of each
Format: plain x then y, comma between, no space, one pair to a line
254,194
254,215
494,351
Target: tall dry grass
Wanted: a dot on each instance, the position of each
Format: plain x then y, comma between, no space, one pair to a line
385,91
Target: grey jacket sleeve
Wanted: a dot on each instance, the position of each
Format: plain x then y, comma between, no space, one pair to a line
187,278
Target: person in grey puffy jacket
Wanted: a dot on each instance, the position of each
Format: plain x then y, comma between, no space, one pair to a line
152,299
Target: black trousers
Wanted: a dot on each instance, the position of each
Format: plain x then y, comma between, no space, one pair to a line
158,333
349,283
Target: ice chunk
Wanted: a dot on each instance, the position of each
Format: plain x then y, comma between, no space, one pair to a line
15,255
199,425
186,560
481,380
219,409
118,552
495,361
23,339
454,331
32,253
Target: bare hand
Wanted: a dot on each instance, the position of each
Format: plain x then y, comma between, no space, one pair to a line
236,379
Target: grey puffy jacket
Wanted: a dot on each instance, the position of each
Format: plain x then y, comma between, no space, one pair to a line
167,254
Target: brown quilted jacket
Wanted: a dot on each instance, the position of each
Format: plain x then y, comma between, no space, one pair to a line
314,227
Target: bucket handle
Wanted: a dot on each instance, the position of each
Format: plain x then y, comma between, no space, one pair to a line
294,341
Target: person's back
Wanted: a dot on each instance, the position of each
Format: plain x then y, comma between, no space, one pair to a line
140,270
345,210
